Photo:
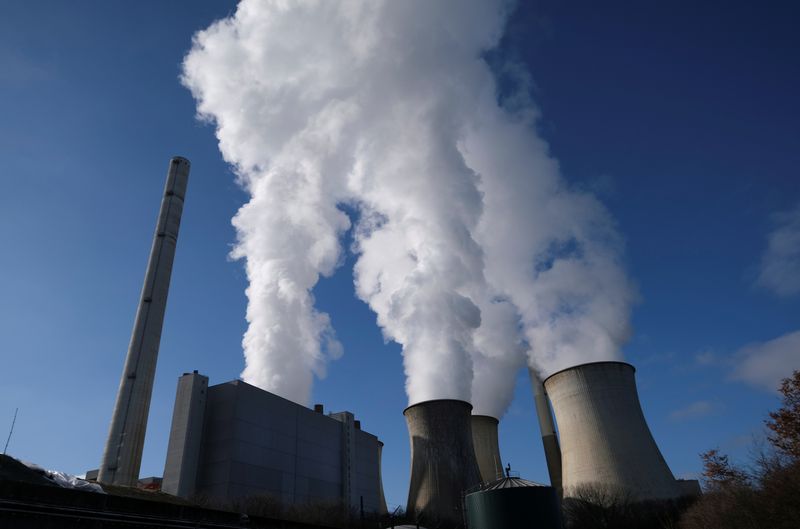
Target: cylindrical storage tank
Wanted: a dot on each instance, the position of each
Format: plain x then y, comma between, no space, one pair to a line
443,464
605,441
487,447
513,503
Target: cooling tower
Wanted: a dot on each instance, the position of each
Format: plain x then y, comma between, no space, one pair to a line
123,452
605,440
487,448
382,509
552,452
443,462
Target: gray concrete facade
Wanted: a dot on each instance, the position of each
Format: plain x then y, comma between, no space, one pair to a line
122,456
552,451
443,464
256,443
183,450
348,454
487,447
605,440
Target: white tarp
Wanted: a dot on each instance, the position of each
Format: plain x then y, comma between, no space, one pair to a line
68,481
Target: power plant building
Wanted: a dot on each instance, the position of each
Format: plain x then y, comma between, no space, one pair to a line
234,440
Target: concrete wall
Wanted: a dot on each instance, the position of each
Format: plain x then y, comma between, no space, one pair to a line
366,472
604,436
347,451
183,450
256,443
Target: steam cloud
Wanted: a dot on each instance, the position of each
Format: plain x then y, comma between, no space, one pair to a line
472,251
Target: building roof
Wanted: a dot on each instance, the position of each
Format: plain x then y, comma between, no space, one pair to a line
510,483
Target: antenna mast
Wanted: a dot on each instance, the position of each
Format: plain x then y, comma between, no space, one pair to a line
13,422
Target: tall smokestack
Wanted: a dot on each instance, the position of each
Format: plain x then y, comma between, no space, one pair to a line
605,440
443,462
123,452
487,447
552,452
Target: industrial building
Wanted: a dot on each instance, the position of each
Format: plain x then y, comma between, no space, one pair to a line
234,440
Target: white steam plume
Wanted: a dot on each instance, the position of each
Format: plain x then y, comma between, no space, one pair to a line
265,85
470,248
500,352
554,252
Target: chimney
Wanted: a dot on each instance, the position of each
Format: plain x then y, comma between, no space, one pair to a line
319,408
443,465
185,436
123,451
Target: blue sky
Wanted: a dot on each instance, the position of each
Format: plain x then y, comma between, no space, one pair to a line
678,116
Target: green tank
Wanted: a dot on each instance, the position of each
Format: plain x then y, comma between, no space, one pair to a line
513,503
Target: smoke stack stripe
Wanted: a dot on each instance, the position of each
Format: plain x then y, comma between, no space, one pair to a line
123,452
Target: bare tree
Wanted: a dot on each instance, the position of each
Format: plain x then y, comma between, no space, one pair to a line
785,422
718,472
767,495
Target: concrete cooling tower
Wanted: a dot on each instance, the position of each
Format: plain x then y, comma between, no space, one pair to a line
552,452
487,447
605,440
443,464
